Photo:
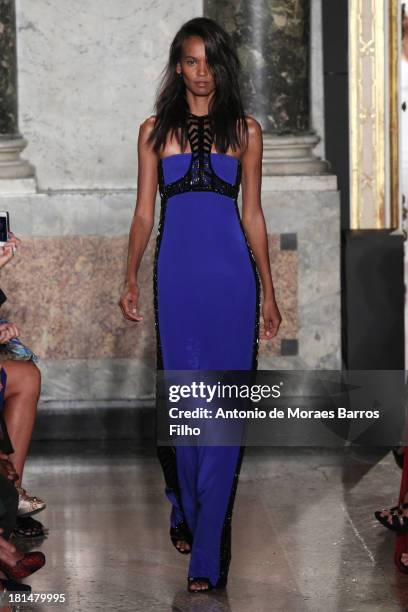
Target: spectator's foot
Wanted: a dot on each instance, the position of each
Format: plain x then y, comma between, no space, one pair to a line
28,504
26,565
27,528
395,518
404,559
386,513
13,586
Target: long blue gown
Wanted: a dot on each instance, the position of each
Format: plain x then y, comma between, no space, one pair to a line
206,296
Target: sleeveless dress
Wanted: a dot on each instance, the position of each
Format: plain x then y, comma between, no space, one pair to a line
207,303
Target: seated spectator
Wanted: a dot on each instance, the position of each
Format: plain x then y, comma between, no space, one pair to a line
8,497
396,519
14,565
20,399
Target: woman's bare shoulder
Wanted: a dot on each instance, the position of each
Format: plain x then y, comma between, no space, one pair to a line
254,142
254,127
147,125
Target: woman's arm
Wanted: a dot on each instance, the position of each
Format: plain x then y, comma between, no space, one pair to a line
143,221
255,228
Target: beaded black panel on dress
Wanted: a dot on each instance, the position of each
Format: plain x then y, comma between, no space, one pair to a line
200,176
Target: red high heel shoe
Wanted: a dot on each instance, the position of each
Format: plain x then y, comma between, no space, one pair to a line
30,563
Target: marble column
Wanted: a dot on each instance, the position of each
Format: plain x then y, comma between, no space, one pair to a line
16,174
272,41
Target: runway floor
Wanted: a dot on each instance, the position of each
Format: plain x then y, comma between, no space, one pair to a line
304,535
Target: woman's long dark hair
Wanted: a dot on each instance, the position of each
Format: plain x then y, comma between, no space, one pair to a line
226,110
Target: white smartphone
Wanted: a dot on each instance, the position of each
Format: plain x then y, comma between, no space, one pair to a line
4,227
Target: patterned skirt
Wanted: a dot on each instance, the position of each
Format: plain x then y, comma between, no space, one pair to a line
16,350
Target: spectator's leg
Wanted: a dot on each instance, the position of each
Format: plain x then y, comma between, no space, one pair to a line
20,407
8,506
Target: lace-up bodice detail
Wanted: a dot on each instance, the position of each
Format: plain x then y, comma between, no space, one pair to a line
200,175
201,138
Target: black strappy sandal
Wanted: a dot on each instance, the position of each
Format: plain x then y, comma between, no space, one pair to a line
181,532
397,515
402,568
204,579
27,527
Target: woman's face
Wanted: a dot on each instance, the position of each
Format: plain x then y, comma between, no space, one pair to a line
193,66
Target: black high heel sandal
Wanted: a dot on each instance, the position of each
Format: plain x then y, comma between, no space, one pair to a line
204,579
403,568
181,532
396,514
27,527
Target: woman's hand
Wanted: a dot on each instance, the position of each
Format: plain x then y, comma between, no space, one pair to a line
12,239
271,318
7,551
7,251
7,332
7,469
129,303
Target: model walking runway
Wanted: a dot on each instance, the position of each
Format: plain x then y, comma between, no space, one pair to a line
204,273
208,268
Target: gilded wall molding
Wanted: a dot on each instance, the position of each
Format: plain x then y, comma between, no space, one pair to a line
368,78
394,47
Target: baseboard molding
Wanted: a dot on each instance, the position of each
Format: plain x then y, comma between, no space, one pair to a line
96,420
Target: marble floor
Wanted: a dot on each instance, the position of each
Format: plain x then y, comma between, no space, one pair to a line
304,535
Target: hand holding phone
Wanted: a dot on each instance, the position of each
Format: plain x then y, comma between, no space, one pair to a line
14,241
8,241
4,227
